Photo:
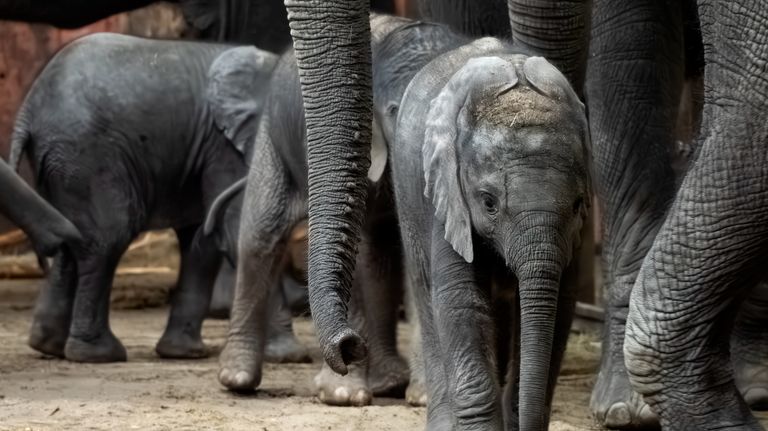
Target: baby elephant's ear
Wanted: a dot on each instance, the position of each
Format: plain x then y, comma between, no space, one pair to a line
547,79
448,115
237,88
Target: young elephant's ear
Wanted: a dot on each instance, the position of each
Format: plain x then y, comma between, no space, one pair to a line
545,77
237,88
223,219
447,118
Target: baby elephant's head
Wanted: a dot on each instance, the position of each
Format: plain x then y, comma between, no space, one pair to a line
506,155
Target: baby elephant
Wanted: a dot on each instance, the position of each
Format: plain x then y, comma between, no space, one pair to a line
490,169
128,134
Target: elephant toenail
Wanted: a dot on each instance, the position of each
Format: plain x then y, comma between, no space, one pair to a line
341,393
242,378
618,416
361,398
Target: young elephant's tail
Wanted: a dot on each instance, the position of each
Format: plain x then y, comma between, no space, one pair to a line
19,140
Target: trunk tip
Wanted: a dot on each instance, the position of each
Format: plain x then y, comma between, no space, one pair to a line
346,348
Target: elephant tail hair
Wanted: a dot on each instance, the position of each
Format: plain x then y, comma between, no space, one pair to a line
19,140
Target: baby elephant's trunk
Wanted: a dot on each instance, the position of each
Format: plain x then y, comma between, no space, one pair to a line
538,262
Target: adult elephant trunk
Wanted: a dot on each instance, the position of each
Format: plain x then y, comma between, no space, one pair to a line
555,29
332,43
538,262
45,226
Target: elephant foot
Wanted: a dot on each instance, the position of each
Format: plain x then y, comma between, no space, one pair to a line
181,345
103,348
416,393
337,390
48,339
240,366
752,380
388,377
615,405
285,348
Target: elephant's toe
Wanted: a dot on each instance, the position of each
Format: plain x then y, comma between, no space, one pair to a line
416,394
615,405
239,367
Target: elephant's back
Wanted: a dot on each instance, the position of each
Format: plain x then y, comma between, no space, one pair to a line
118,66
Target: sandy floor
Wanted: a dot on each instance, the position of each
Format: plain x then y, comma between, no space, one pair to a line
147,393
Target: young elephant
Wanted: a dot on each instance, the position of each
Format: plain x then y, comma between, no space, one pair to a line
276,197
128,134
490,170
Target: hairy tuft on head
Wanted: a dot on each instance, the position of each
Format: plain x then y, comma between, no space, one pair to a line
518,107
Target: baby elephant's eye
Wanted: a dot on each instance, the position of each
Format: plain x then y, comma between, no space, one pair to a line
577,204
490,203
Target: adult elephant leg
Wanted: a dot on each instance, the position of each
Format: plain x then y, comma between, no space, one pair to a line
632,90
282,344
713,243
749,348
555,29
200,262
333,50
53,310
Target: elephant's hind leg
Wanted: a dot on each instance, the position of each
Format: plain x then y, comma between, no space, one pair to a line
381,289
282,344
749,348
200,262
90,336
53,311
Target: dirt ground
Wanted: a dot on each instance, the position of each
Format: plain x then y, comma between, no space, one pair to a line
146,393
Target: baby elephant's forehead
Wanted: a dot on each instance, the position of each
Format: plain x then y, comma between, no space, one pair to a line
550,145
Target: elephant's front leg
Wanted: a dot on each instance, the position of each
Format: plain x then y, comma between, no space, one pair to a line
464,322
749,348
200,262
268,213
632,119
712,245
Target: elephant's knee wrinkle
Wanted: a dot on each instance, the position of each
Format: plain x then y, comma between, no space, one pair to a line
644,367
